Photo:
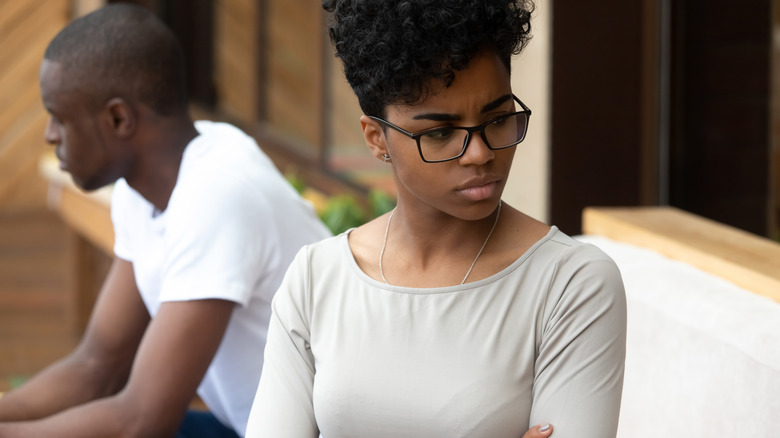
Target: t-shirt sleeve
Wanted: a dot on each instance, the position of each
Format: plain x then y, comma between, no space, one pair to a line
580,362
218,241
283,405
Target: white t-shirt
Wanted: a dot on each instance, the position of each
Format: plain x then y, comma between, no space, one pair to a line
541,341
231,228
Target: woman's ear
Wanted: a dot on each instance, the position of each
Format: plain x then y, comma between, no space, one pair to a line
121,117
375,137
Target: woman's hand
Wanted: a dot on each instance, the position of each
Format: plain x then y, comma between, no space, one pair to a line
539,431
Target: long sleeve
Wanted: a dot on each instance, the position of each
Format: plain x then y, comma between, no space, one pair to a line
579,368
283,403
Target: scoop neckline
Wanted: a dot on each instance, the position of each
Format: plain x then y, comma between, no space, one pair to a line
365,278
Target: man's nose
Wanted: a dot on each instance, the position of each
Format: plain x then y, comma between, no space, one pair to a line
51,133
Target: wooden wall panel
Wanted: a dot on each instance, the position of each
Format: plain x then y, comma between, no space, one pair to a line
26,27
774,188
236,57
294,70
720,124
597,108
21,187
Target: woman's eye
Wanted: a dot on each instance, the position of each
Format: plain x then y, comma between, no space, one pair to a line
500,121
440,134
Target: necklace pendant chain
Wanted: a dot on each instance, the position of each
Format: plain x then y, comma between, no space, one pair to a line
384,244
484,244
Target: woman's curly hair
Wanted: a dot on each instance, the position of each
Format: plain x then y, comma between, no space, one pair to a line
392,50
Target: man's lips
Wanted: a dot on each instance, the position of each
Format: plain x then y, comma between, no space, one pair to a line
61,160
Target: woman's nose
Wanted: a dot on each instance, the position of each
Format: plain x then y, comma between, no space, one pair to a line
477,151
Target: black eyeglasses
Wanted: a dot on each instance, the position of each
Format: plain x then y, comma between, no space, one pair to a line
449,143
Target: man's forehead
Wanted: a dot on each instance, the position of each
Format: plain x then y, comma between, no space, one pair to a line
59,85
52,74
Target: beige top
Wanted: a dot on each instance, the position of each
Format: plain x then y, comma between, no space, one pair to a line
541,341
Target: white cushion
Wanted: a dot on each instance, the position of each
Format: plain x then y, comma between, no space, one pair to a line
703,355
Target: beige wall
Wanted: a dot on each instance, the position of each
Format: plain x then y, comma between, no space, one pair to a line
527,188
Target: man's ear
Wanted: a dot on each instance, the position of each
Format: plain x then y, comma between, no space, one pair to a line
375,137
121,117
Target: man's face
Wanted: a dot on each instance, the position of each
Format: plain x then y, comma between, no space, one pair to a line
74,128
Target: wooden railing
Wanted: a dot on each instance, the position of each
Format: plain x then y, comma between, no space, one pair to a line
747,260
88,214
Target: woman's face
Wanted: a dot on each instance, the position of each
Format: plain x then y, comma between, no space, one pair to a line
468,187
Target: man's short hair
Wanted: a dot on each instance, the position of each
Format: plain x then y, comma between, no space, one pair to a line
392,50
122,50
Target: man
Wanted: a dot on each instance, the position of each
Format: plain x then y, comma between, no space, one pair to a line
205,228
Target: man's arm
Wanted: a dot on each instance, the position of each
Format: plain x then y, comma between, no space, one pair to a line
173,356
99,367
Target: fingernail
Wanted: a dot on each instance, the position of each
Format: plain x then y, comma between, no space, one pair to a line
544,428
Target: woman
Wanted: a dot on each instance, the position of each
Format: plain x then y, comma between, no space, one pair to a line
455,315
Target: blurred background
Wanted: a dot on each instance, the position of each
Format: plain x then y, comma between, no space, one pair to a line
643,102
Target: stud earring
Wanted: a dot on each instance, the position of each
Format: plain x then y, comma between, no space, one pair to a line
386,157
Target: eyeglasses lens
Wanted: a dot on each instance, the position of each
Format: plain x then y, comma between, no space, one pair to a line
448,143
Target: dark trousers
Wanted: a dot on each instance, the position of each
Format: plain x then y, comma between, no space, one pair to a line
202,424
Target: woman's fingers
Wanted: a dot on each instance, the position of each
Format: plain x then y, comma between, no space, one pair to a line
539,431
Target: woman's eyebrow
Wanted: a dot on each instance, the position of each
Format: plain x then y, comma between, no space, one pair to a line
444,117
437,117
496,103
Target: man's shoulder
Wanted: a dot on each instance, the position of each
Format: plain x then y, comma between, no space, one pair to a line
124,197
224,152
219,139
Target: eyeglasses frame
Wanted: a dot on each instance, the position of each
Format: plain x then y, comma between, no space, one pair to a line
469,130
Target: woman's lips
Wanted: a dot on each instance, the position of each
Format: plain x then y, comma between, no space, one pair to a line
479,192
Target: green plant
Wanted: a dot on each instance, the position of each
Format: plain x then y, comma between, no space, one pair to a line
343,212
296,181
380,202
16,381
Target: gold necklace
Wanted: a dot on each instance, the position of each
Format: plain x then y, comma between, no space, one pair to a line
387,229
